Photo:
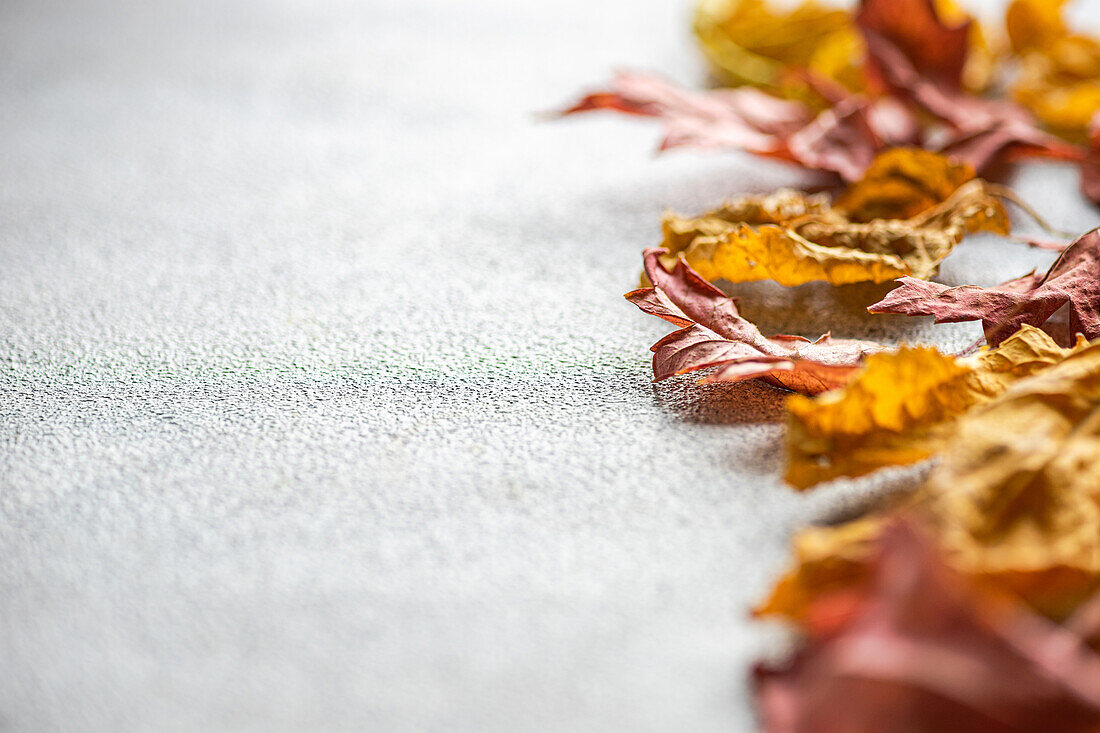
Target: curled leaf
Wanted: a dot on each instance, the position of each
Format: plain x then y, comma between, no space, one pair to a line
794,239
1072,282
713,334
919,648
1015,499
900,408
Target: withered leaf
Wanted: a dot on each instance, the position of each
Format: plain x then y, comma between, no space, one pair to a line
1073,282
985,131
1090,167
842,139
1059,75
900,408
793,238
921,649
752,42
936,50
745,119
1015,499
713,334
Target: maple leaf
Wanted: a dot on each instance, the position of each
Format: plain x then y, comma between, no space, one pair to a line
1073,281
900,408
745,119
714,334
842,139
794,239
984,131
920,648
936,50
1015,499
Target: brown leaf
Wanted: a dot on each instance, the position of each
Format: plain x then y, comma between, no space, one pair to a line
921,649
714,334
1072,281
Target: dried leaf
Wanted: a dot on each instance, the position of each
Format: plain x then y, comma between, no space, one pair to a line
1090,167
900,409
921,649
751,42
714,334
1015,499
936,50
985,131
842,139
793,238
1059,76
1073,281
745,119
901,183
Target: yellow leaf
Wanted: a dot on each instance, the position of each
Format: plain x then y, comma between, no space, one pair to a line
1015,499
750,42
1033,24
900,407
793,238
901,183
1059,77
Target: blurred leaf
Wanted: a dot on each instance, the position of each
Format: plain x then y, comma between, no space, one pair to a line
918,648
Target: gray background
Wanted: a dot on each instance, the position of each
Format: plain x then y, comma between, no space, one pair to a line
320,408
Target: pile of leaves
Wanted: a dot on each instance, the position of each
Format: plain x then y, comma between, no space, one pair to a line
971,601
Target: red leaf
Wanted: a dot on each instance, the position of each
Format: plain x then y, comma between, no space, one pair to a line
715,335
1090,166
842,139
922,651
985,131
937,51
1072,281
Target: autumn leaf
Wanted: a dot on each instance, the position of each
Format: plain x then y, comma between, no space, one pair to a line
745,119
1059,75
900,408
919,648
713,334
793,238
1090,167
985,132
842,139
1073,282
936,50
1015,499
751,42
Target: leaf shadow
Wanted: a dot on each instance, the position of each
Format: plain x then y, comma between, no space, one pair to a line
719,403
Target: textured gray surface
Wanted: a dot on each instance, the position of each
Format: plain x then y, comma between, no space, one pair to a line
321,409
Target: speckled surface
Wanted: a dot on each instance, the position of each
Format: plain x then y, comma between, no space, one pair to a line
320,409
